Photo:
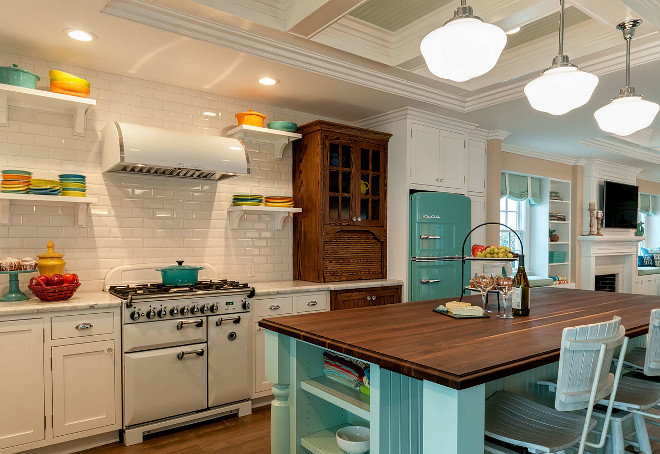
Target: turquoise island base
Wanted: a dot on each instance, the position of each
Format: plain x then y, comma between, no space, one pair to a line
430,374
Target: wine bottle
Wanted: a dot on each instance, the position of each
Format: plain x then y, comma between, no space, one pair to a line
520,298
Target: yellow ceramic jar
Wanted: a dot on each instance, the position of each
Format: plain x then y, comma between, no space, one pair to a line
51,262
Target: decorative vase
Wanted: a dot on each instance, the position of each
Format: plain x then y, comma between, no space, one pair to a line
640,229
51,262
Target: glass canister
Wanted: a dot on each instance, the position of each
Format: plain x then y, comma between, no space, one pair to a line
51,262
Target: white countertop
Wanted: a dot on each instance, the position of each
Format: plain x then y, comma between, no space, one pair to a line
279,287
79,301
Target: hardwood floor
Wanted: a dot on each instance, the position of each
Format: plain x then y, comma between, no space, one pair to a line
232,435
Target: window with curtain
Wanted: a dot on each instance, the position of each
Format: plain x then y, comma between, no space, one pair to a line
517,193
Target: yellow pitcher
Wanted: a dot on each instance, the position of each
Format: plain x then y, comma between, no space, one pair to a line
51,262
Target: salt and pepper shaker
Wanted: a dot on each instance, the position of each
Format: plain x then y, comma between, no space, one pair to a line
599,225
592,219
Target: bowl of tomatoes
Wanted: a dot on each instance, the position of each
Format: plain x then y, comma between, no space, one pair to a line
57,287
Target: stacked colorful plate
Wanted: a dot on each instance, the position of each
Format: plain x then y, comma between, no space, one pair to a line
45,187
277,201
16,181
73,184
248,200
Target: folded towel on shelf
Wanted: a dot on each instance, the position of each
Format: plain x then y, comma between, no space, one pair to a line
353,364
341,371
355,384
365,390
367,376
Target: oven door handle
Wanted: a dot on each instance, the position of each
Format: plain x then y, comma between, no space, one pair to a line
198,323
182,355
236,320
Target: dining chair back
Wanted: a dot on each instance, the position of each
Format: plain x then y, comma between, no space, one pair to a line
652,360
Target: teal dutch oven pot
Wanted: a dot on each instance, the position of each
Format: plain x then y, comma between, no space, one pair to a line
13,75
180,274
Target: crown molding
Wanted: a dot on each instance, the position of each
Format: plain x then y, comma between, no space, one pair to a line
653,179
540,155
418,115
498,134
296,56
623,149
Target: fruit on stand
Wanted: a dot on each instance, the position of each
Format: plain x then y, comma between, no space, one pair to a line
494,252
57,287
43,279
69,278
476,249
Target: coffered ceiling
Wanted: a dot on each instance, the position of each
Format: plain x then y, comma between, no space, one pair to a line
349,59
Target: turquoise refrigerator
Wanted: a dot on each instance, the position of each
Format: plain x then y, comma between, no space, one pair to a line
439,223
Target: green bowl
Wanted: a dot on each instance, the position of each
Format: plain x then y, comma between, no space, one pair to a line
13,75
287,126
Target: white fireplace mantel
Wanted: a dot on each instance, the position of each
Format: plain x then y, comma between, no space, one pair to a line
607,254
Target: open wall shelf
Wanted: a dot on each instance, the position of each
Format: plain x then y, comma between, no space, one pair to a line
279,139
277,214
11,95
81,204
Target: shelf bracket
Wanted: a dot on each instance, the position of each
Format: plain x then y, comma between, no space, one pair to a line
279,218
81,214
4,110
4,212
235,218
279,145
79,121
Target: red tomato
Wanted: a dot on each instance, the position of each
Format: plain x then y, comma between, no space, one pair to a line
43,279
55,280
70,278
477,248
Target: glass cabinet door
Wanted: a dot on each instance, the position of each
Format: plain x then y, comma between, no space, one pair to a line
370,187
340,182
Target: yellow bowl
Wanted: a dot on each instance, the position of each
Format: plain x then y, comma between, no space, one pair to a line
73,185
66,77
73,194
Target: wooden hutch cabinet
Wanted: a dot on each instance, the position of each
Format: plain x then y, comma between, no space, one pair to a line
340,182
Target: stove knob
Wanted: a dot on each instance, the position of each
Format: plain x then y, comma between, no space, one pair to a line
245,305
135,315
194,310
151,314
205,308
174,311
184,310
162,312
214,307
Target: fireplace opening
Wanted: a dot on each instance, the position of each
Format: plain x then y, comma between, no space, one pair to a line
605,283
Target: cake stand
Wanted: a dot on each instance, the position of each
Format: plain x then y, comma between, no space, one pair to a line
14,293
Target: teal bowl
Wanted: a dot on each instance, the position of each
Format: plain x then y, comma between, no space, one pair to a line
287,126
13,75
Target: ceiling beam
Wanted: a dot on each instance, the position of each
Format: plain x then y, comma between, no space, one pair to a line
262,12
610,12
306,18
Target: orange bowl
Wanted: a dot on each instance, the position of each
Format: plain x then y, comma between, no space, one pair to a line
69,88
15,183
250,118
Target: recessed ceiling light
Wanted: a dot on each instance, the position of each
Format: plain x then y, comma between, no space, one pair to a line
268,81
80,35
513,31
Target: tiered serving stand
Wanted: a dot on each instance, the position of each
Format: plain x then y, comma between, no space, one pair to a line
14,293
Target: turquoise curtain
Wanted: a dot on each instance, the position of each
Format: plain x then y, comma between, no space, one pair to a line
645,204
521,187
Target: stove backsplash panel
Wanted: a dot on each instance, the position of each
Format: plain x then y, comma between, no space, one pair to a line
143,219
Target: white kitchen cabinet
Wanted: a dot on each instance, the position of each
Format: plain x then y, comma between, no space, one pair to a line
437,158
84,386
476,167
21,382
276,306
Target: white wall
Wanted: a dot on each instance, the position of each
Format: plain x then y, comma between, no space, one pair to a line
142,219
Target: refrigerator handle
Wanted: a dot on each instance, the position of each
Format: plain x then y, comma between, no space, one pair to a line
430,237
430,281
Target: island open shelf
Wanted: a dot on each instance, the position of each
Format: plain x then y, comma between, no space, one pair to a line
323,442
340,395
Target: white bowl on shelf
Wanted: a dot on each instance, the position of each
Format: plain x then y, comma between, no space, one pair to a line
353,439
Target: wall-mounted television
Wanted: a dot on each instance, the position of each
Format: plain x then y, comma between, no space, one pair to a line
620,205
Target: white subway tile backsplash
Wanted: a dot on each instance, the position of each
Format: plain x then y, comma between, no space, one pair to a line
144,219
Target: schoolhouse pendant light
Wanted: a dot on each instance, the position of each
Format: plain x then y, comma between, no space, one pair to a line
562,87
628,112
464,47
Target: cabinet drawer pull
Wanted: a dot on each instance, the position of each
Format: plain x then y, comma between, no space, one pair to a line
85,325
439,180
430,281
182,355
197,323
373,298
430,237
274,307
368,298
312,303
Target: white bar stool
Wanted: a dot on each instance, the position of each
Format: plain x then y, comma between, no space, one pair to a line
583,379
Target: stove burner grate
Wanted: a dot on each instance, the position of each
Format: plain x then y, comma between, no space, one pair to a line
124,291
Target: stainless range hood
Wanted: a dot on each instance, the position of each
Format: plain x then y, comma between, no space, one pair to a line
145,150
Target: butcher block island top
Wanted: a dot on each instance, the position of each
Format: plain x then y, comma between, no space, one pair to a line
412,340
